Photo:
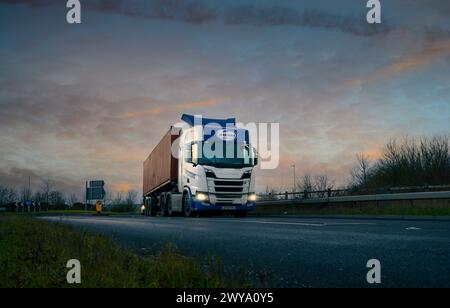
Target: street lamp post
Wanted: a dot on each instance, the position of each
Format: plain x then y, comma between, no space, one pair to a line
295,181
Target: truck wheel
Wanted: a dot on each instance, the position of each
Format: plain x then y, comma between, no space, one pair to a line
152,209
170,212
187,211
146,204
164,210
240,214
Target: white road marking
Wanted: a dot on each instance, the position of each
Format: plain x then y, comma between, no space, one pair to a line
309,224
413,229
350,224
244,221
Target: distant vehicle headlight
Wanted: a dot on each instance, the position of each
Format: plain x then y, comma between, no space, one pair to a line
143,208
252,198
202,197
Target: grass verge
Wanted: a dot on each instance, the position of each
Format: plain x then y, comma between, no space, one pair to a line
34,253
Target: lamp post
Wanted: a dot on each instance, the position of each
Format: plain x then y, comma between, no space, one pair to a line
295,181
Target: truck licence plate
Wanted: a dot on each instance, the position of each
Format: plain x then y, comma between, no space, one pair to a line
228,208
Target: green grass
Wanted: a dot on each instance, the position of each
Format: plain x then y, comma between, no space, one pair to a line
34,253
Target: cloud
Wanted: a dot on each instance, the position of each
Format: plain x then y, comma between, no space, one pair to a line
32,3
18,178
410,61
179,107
126,187
199,12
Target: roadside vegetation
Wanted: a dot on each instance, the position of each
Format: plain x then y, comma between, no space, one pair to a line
34,253
405,163
402,163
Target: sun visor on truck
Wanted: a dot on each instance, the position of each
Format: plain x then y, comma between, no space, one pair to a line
194,120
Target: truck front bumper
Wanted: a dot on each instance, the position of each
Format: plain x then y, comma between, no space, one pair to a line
203,207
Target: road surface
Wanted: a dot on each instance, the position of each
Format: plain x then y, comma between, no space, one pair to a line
294,252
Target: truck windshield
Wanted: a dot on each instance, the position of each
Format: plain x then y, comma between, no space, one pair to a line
223,154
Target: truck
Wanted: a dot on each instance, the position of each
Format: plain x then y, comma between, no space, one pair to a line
205,167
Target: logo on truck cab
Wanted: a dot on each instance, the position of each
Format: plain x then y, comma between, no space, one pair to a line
226,134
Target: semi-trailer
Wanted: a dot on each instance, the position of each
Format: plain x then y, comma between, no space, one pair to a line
205,167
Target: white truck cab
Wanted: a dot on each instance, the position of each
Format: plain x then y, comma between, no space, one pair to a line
215,170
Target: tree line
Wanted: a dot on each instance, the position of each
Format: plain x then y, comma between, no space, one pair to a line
407,162
54,199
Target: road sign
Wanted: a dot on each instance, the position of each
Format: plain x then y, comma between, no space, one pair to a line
93,184
95,193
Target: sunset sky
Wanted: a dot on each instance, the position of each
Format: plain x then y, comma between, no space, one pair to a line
90,101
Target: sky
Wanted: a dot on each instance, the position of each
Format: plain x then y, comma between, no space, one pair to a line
90,101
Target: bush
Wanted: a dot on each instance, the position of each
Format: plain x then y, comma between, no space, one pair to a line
410,162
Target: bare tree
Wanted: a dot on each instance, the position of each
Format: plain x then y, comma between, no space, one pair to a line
46,186
25,194
118,199
131,197
408,162
3,195
306,183
73,199
11,196
323,182
270,192
56,198
360,173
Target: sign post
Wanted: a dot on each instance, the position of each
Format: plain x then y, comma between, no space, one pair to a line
95,191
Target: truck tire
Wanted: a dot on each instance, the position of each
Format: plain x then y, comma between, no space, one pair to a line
147,206
187,211
163,205
170,211
152,208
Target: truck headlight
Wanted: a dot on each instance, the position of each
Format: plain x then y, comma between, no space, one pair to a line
252,198
201,197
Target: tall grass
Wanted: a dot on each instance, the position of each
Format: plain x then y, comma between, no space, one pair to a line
34,253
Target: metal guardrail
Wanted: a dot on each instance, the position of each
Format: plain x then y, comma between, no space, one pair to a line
363,198
336,196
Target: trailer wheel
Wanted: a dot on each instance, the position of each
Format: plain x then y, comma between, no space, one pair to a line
146,206
187,211
163,204
152,209
170,212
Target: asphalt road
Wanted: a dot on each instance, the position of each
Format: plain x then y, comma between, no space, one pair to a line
295,252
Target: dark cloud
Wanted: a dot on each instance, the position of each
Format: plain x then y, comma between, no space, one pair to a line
32,3
199,12
18,178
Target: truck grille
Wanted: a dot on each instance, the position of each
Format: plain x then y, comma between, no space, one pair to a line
228,183
228,197
227,191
